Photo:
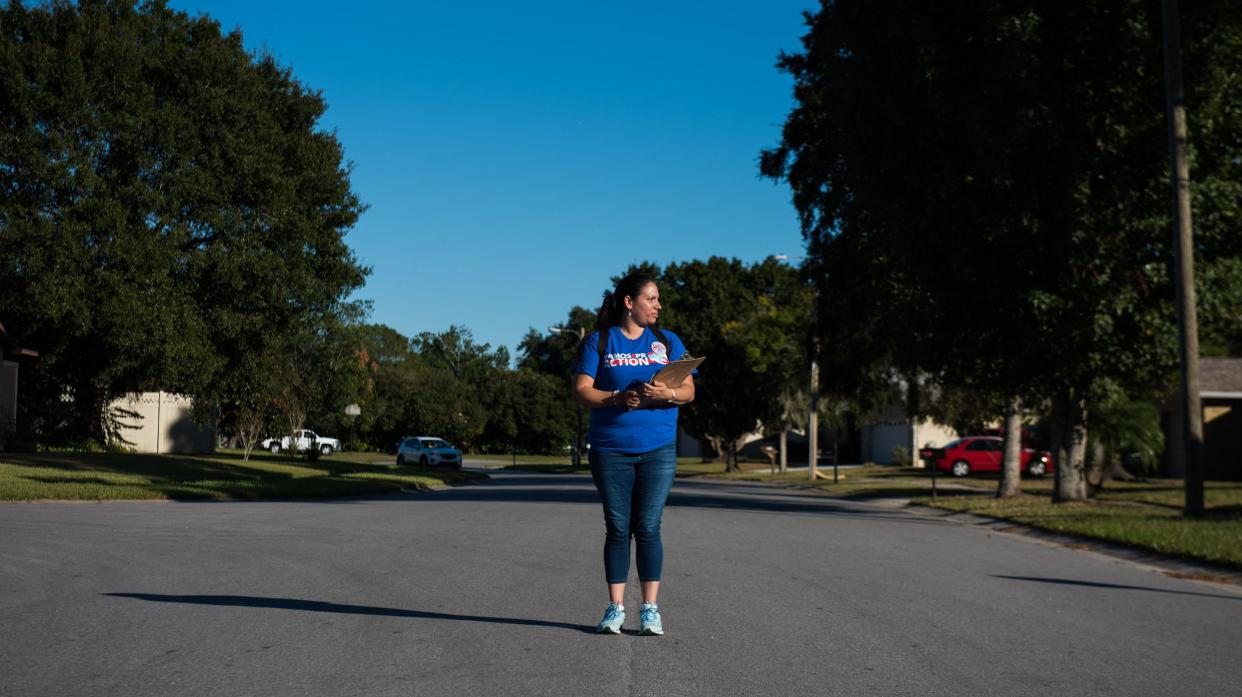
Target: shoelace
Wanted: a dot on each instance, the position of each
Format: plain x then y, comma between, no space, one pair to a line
651,614
611,614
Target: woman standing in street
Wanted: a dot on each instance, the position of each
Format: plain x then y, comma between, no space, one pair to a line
633,438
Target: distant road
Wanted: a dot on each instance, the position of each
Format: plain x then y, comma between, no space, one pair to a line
494,588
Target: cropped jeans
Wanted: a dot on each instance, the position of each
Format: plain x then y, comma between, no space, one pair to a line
633,488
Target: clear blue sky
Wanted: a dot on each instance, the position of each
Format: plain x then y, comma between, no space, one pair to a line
515,156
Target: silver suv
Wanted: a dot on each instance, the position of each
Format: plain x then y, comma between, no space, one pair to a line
427,451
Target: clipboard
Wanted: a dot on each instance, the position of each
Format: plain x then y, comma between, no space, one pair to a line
675,373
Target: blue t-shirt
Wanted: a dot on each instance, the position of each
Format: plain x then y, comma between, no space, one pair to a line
617,429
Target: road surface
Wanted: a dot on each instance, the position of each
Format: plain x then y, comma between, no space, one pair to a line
494,589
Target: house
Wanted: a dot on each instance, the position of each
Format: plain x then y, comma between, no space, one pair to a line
895,429
12,355
1220,394
875,441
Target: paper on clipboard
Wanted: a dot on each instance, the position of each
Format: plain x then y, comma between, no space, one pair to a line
673,374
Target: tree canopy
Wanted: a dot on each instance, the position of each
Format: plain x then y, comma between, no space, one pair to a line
445,384
983,189
169,205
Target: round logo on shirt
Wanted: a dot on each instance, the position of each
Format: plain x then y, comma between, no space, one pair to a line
659,354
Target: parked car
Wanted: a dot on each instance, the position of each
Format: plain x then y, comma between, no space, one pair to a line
306,440
427,451
983,454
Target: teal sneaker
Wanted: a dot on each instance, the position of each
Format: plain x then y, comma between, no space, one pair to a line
614,617
651,620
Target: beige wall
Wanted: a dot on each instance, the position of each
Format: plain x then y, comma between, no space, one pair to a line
159,422
932,434
929,434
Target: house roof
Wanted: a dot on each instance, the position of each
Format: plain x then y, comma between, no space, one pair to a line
10,348
1220,376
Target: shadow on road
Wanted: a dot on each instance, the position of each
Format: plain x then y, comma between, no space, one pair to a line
338,608
741,497
1094,584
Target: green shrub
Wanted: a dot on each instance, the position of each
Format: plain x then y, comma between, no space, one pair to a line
901,456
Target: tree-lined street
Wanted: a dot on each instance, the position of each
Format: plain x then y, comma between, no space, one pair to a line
982,192
975,236
494,589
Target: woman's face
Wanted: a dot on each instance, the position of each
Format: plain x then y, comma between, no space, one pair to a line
645,307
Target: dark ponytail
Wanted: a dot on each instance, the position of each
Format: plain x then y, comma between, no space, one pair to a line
612,311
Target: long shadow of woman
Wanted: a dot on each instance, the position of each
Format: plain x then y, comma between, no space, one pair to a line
340,608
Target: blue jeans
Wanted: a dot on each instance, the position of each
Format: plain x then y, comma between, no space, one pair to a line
633,488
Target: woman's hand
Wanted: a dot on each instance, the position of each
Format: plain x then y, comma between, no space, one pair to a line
658,392
587,395
630,399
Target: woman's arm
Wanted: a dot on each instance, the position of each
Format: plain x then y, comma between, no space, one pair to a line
587,395
657,394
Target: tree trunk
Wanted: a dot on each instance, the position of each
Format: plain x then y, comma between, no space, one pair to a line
90,417
717,446
1069,447
1118,471
1183,258
731,455
249,430
784,449
1011,466
294,412
1099,466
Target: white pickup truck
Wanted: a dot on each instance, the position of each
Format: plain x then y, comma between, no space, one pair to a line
306,440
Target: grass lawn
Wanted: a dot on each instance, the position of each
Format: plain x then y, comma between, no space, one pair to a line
561,463
695,466
535,462
1142,514
869,481
222,476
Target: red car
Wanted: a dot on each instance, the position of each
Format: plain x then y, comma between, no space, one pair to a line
983,454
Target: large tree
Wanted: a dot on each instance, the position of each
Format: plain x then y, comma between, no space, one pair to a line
528,414
982,188
458,383
442,384
169,206
750,321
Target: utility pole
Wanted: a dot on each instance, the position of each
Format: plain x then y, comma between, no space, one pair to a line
812,423
1183,259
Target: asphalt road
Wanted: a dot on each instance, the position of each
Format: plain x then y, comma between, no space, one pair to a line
494,589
